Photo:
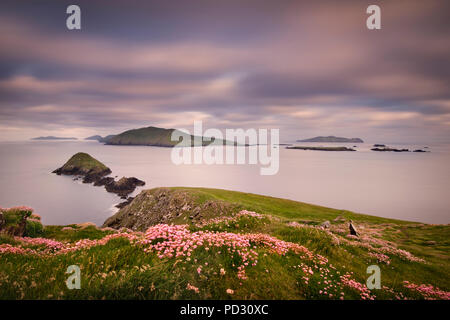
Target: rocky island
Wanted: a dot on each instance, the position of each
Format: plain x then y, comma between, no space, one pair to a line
322,148
389,149
382,147
82,164
332,139
93,171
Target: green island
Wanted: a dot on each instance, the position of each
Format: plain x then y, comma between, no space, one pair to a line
199,243
93,171
333,139
157,137
84,165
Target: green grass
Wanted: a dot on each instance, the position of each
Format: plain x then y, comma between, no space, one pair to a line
77,233
84,161
120,270
13,217
283,208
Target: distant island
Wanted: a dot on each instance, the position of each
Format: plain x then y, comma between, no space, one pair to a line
54,138
154,136
322,148
389,149
333,139
100,138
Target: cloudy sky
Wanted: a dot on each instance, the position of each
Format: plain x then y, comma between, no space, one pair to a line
307,67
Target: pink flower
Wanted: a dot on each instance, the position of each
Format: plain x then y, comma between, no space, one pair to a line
193,288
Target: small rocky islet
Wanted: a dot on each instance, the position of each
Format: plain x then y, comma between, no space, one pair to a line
385,148
90,170
321,148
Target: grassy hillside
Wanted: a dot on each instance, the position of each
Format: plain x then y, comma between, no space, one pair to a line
230,245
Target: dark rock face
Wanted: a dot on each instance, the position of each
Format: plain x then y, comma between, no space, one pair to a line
2,220
125,203
352,228
163,205
89,176
124,186
322,148
390,149
103,181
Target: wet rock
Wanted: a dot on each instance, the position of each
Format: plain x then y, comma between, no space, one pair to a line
82,165
124,203
103,181
388,149
124,186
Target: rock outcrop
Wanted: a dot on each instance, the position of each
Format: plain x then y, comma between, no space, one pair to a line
352,229
93,171
390,149
124,186
164,205
322,148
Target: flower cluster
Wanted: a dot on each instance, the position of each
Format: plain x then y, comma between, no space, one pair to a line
428,291
380,257
229,219
379,248
351,283
48,243
52,247
193,288
178,241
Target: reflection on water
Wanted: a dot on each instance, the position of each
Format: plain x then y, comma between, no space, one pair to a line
409,186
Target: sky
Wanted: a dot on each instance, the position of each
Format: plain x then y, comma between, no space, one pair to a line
308,68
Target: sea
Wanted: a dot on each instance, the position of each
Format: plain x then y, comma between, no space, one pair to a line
407,186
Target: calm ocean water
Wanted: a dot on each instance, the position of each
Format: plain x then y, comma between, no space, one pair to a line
408,186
